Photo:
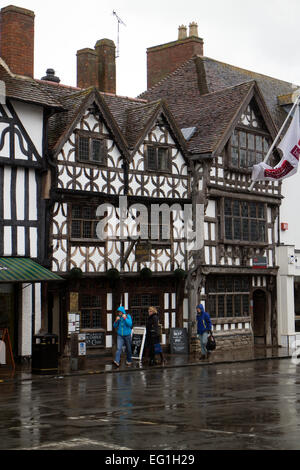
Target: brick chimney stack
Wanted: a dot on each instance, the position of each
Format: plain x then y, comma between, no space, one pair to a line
17,39
166,58
97,67
86,68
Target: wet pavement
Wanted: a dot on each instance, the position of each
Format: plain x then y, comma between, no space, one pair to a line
102,363
243,404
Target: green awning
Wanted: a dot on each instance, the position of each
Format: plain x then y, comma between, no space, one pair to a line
24,270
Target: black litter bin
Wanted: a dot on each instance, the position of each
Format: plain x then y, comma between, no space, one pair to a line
45,354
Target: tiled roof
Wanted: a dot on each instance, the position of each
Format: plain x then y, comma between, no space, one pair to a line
118,106
211,114
27,89
204,93
137,120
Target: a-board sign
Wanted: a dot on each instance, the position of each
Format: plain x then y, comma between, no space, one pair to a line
138,342
179,341
94,339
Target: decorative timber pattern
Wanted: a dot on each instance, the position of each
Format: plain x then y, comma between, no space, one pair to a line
21,207
88,184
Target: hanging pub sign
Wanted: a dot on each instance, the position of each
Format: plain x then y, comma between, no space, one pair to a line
259,262
142,252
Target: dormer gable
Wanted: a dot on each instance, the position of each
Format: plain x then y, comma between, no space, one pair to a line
91,151
87,102
159,165
252,134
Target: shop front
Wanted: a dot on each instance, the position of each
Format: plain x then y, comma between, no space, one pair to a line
95,300
21,301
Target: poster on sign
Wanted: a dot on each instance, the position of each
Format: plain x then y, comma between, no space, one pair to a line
138,342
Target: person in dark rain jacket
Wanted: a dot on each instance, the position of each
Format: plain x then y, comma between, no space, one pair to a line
152,334
204,327
123,323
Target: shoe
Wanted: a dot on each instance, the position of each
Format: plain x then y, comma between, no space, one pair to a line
116,363
128,363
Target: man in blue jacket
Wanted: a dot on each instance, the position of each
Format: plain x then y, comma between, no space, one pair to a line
123,323
203,329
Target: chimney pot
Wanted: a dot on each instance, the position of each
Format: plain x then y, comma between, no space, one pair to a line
193,29
50,76
182,32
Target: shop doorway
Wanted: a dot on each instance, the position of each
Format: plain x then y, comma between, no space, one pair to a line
260,317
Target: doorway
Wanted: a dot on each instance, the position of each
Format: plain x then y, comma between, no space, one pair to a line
259,316
7,311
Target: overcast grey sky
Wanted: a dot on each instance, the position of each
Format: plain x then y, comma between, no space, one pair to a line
259,35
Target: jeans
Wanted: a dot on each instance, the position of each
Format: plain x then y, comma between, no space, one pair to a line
121,340
203,341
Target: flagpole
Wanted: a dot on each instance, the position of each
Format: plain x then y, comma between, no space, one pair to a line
277,137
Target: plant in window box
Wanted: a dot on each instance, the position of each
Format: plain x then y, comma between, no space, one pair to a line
113,274
75,273
179,274
145,273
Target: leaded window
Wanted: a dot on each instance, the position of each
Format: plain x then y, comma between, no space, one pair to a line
250,141
90,307
91,149
139,304
228,296
84,222
244,221
247,149
158,158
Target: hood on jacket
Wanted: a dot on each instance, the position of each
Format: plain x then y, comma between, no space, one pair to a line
200,306
121,309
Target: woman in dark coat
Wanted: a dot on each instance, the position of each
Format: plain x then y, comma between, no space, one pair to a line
152,334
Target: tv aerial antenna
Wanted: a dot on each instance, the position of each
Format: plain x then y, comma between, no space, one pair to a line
118,40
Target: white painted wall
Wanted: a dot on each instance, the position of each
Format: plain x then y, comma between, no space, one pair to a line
31,117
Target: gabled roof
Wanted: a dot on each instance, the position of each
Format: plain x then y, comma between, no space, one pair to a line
129,119
61,125
141,119
215,115
208,84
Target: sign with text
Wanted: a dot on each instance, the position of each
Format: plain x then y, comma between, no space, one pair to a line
73,322
138,342
260,262
94,339
179,341
142,252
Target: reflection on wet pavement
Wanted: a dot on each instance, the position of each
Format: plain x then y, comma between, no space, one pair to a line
251,405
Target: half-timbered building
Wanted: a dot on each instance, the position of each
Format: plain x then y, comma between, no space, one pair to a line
114,151
231,116
23,207
95,186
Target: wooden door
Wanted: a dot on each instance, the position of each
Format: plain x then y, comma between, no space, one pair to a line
259,316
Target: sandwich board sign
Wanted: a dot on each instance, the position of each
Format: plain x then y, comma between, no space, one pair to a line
138,342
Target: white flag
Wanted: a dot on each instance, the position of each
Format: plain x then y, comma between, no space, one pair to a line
288,165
